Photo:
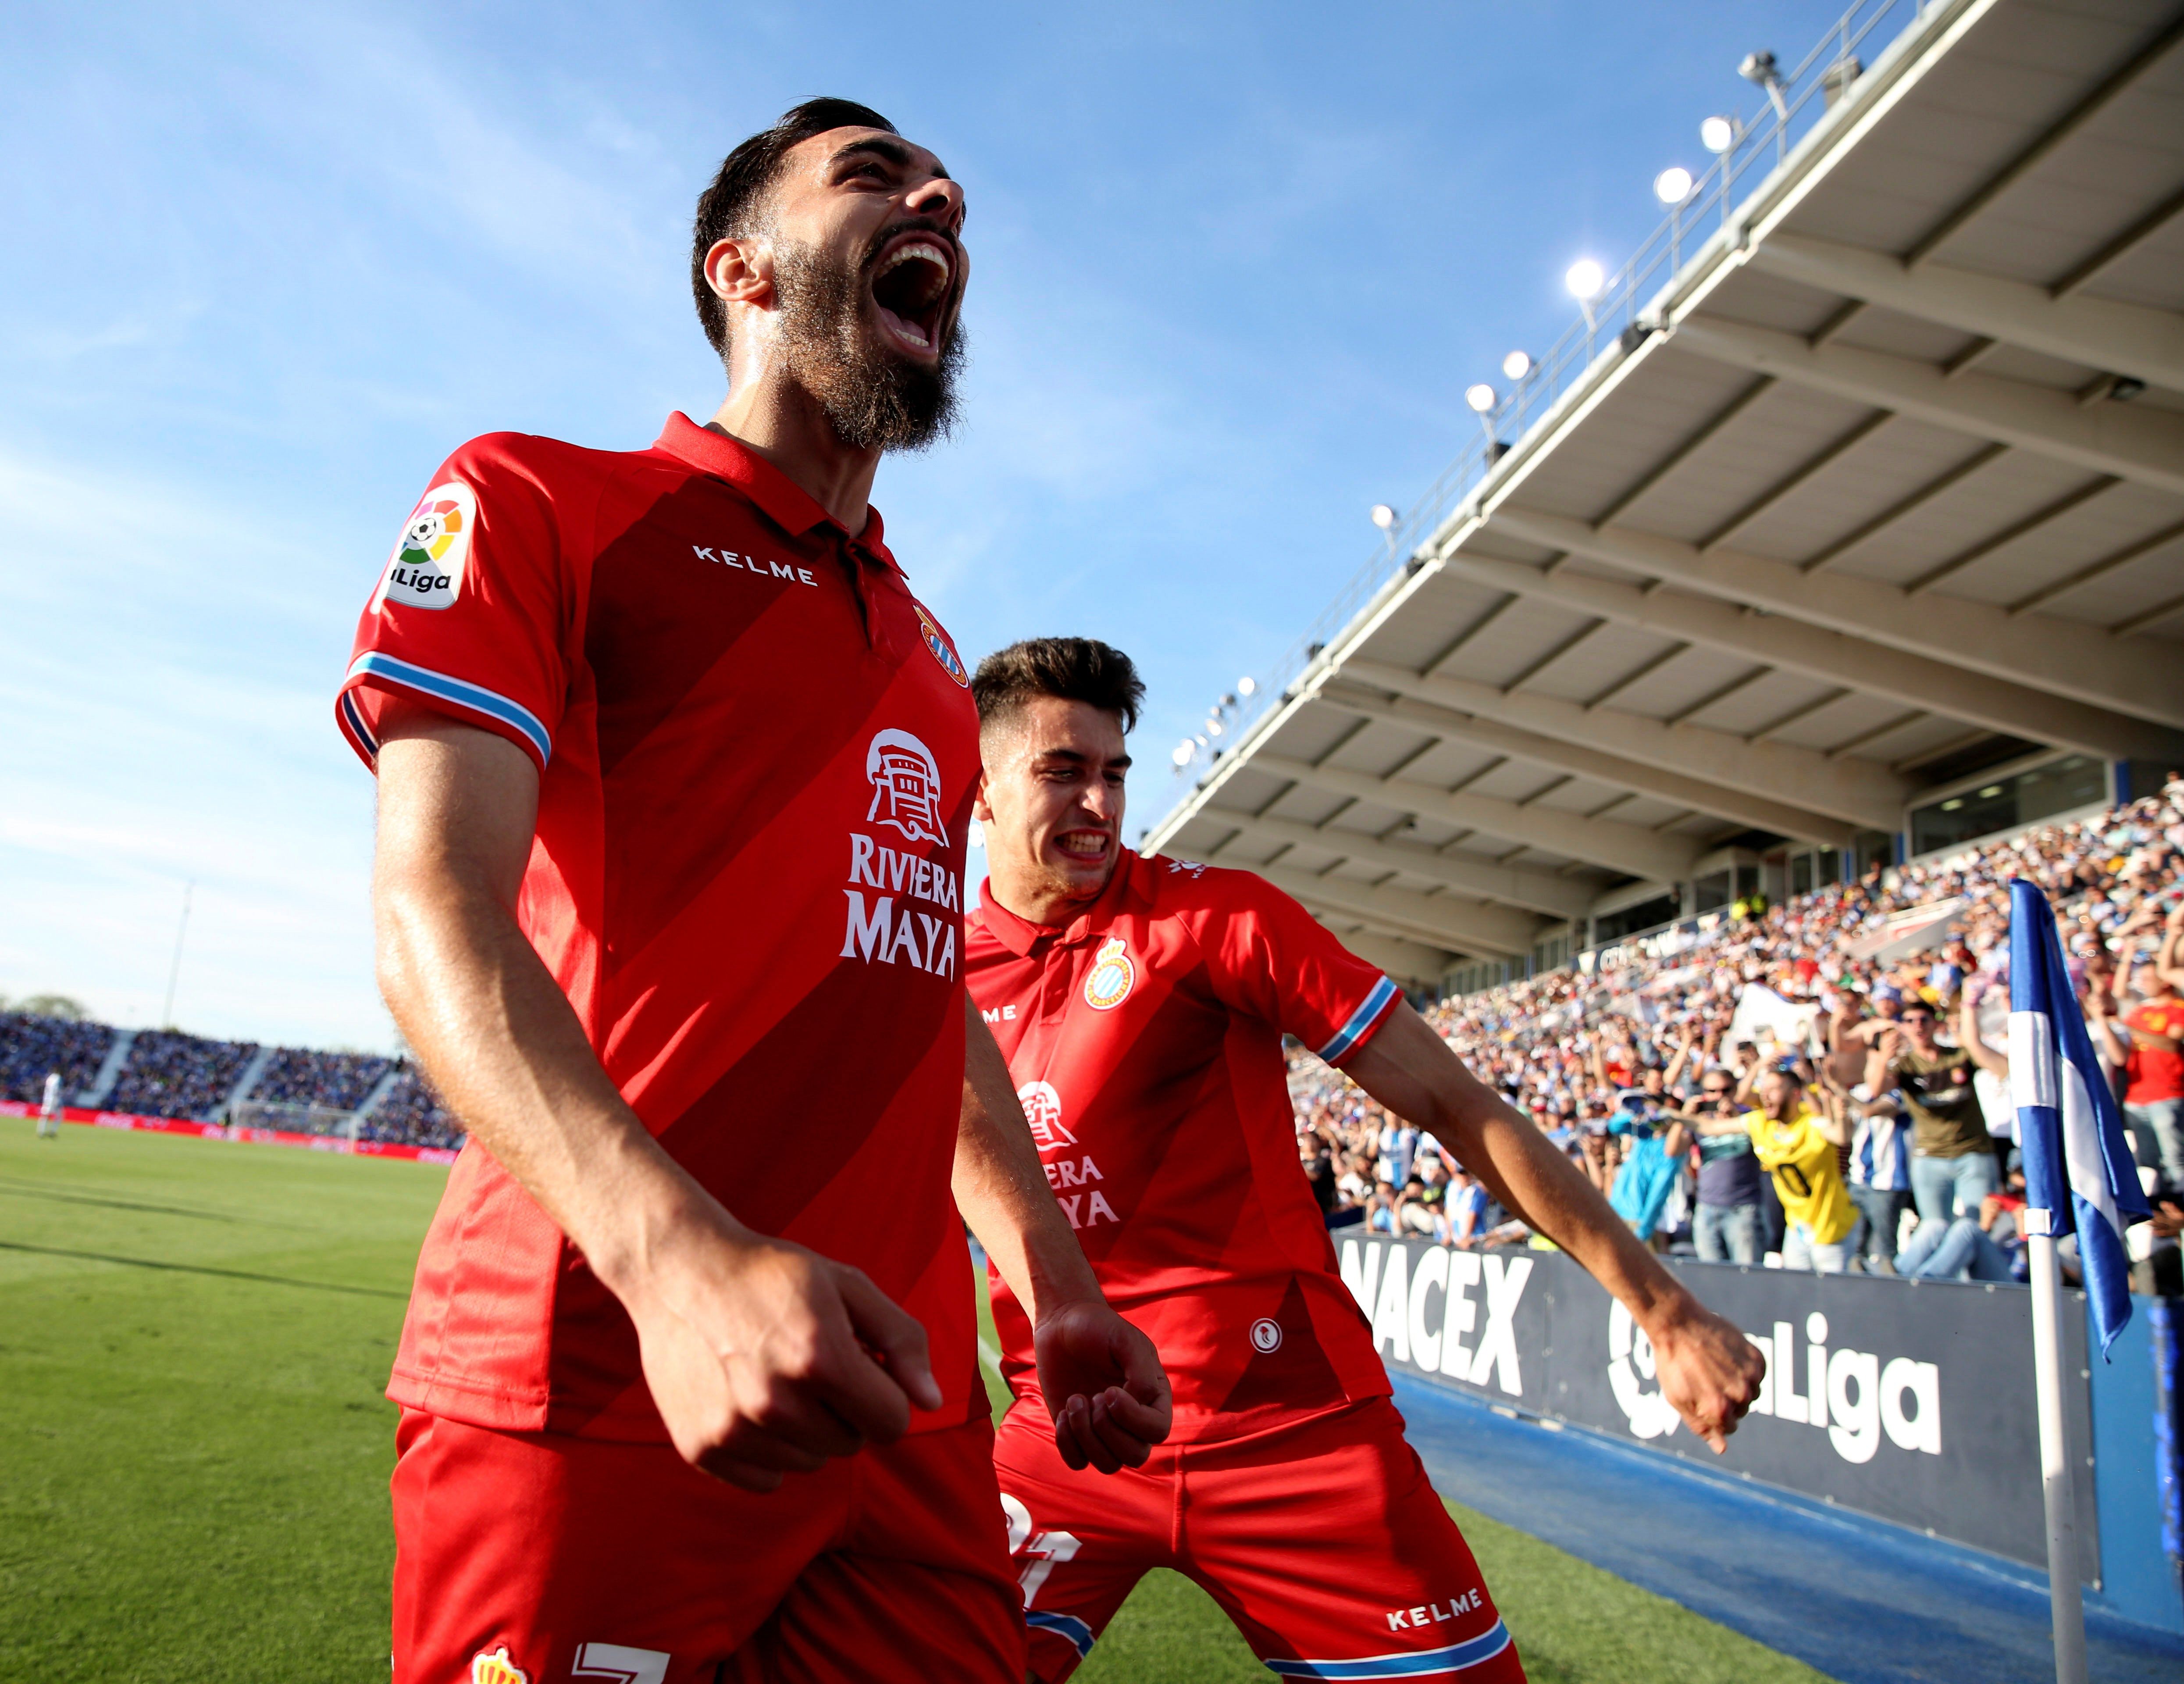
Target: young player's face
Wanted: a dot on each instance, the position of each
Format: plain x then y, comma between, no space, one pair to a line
1051,798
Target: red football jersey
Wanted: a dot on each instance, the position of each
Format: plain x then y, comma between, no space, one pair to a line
1145,1041
758,753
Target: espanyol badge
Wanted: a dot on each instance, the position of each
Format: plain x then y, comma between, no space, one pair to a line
496,1667
943,651
1111,977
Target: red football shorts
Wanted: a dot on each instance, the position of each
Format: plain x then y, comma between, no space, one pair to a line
537,1559
1323,1540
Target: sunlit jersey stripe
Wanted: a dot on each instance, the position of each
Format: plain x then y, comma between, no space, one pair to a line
1453,1658
1360,1020
391,669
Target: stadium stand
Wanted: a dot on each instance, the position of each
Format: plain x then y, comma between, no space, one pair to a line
411,1113
32,1046
338,1081
170,1074
1600,1054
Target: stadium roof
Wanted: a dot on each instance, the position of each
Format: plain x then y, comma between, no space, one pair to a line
1883,486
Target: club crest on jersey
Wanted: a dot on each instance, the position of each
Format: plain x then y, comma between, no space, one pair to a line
425,569
496,1667
905,782
1043,1111
1111,977
943,651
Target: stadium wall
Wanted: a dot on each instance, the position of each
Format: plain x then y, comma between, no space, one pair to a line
222,1131
1925,1416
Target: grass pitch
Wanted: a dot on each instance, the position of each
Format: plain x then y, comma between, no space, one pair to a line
193,1338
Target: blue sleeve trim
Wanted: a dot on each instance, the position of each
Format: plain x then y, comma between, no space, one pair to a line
352,721
1063,1626
1418,1665
1382,995
392,670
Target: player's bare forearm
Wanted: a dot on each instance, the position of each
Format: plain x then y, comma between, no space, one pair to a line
473,998
1708,1369
1101,1377
1002,1191
755,1350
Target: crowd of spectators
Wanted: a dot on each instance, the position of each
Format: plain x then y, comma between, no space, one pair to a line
171,1075
410,1112
33,1045
166,1073
332,1081
1819,1084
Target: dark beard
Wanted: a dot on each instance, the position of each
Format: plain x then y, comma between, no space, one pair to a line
874,400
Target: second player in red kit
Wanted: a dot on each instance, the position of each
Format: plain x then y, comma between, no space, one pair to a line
1141,1005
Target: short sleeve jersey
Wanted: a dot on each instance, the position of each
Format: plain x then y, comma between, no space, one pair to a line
1808,1177
1145,1042
1946,1118
757,753
2156,1071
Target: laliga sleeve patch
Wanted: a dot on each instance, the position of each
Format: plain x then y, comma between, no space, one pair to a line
425,569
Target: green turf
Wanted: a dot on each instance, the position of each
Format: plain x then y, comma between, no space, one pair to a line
192,1340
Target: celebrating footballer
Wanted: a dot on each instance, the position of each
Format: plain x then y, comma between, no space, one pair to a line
1141,1005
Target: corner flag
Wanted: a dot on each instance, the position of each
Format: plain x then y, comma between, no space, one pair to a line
2077,1172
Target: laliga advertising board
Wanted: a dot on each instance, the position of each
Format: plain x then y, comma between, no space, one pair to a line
1911,1401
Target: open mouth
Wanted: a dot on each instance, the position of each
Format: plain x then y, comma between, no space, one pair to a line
910,287
1088,846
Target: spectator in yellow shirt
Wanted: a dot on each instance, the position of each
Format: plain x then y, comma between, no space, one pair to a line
1796,1146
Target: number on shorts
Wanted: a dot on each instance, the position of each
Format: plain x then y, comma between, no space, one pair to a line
1050,1548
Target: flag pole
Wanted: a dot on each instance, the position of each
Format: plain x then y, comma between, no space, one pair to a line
2057,1487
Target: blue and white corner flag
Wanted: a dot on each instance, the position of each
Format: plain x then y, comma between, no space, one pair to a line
2076,1166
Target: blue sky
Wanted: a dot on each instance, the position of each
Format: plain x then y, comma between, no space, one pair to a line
1231,269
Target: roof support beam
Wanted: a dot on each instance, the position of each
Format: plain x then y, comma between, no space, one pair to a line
2118,338
1406,960
2131,442
1525,886
1857,791
1795,646
2116,250
1580,760
1442,920
1598,841
2027,161
2059,656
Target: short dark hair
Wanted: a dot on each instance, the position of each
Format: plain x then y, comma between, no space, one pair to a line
733,204
1075,669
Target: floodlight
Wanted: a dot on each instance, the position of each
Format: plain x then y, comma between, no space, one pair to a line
1516,365
1759,69
1183,753
1717,134
1384,517
1585,280
1247,687
1228,701
1479,397
1212,728
1672,186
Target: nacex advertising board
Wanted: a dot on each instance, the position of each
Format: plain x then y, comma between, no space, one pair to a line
1912,1401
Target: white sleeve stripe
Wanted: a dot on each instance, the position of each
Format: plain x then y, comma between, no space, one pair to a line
1360,1020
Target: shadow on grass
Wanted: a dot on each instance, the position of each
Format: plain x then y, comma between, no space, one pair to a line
30,1190
205,1268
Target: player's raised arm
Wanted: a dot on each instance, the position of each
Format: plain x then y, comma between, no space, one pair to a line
1101,1377
752,1347
1708,1369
